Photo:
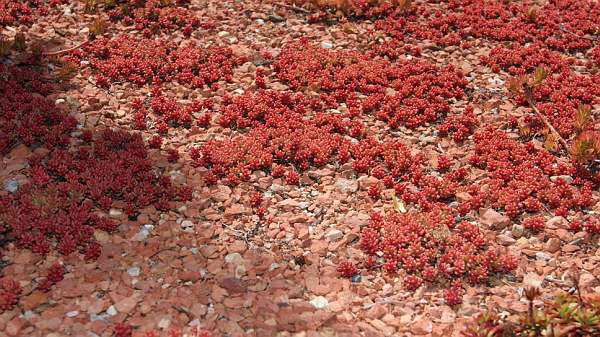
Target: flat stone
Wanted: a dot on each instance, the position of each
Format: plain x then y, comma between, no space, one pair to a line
326,45
365,182
463,196
346,185
570,248
14,327
377,311
19,152
48,324
234,258
494,219
143,233
237,246
557,221
34,300
334,234
164,323
532,280
233,285
552,245
190,276
235,209
319,302
127,304
505,240
187,225
422,327
517,231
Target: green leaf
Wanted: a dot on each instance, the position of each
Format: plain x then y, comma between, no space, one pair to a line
398,204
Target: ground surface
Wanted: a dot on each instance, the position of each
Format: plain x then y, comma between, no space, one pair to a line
214,262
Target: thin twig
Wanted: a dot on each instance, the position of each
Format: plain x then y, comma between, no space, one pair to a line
160,251
54,53
563,29
559,282
244,235
184,310
293,7
529,97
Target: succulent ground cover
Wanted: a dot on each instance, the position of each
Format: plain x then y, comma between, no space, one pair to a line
299,168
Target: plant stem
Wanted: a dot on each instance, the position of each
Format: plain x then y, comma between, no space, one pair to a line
67,50
292,7
529,97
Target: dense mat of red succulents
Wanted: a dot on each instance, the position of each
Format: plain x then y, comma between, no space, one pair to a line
561,93
9,293
518,60
420,90
432,246
74,177
559,97
321,115
151,17
151,61
56,210
29,117
557,24
24,12
166,112
519,177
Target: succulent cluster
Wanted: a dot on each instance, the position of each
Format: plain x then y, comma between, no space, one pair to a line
151,16
60,208
520,177
432,247
28,116
14,13
407,93
9,293
127,58
329,9
558,25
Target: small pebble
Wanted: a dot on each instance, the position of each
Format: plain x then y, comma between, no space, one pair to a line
94,317
142,234
115,213
187,225
326,45
111,311
164,323
133,271
27,315
11,186
541,256
72,313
